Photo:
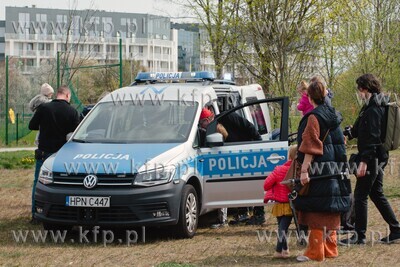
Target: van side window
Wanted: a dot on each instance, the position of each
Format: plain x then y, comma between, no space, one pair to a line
229,101
258,117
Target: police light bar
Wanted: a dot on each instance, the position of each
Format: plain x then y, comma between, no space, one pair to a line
174,76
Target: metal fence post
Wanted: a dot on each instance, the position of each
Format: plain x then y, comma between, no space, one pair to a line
16,126
6,109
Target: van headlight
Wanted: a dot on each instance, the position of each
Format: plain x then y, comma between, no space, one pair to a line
154,177
45,176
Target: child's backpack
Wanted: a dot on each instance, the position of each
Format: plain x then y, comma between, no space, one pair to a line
391,130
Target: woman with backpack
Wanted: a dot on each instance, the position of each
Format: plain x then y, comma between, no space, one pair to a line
371,160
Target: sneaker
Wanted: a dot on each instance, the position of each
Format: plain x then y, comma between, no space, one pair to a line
256,220
302,258
242,218
391,238
219,225
354,240
285,254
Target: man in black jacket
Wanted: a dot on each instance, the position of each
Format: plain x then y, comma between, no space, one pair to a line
371,155
55,119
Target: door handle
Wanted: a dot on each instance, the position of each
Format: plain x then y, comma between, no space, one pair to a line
273,158
201,160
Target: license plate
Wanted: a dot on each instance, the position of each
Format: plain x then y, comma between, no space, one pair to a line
78,201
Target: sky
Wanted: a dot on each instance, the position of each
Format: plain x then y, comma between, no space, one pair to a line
156,7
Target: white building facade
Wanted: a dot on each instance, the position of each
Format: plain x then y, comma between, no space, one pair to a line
35,35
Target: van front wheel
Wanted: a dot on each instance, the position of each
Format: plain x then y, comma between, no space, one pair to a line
188,213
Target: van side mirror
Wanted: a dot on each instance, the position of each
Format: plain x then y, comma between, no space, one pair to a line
215,139
68,136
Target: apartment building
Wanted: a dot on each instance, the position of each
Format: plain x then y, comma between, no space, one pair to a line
35,35
2,42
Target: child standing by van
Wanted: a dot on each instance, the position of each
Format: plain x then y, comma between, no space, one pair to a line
278,193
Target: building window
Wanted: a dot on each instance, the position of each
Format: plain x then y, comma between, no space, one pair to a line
107,26
141,49
30,62
29,46
23,19
41,17
61,18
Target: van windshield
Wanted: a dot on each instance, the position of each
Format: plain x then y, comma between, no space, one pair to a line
147,122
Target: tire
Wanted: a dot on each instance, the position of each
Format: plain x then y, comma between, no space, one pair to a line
188,213
55,227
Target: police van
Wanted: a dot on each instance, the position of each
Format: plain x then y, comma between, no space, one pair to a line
136,159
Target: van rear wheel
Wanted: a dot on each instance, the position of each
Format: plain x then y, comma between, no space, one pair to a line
188,213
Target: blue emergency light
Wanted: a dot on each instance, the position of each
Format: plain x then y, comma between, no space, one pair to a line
174,76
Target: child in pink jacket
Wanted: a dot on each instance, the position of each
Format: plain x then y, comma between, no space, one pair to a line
304,104
278,193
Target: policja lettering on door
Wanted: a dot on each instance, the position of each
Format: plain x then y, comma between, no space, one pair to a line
224,164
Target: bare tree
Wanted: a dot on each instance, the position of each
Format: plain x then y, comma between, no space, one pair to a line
278,41
76,35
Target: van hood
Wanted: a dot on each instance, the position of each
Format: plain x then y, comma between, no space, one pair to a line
74,158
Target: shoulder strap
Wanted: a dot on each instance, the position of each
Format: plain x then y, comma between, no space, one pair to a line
327,132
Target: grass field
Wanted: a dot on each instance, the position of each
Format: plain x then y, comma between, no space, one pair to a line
17,160
230,246
26,141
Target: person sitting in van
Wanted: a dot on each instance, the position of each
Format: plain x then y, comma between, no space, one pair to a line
206,117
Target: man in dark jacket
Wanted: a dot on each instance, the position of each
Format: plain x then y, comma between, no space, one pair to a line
371,155
239,129
55,119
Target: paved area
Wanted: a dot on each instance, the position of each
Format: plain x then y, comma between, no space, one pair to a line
10,149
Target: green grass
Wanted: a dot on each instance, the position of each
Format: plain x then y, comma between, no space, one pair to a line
26,141
17,160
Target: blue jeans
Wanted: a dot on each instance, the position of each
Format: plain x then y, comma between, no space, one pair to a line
38,165
283,226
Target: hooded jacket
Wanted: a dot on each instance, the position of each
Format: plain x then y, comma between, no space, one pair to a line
272,185
304,104
329,194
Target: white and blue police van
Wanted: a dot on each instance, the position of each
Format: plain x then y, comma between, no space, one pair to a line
136,159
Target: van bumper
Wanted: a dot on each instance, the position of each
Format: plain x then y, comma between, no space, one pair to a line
149,206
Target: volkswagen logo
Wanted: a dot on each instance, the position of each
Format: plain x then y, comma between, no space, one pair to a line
90,181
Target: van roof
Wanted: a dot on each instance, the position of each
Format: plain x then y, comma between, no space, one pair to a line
197,92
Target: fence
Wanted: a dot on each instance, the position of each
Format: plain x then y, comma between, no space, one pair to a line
17,128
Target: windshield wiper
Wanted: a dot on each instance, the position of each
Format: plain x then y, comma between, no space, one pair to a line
79,140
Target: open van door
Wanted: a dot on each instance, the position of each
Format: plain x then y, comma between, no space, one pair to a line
233,173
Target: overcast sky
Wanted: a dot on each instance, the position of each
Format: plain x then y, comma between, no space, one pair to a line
157,7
